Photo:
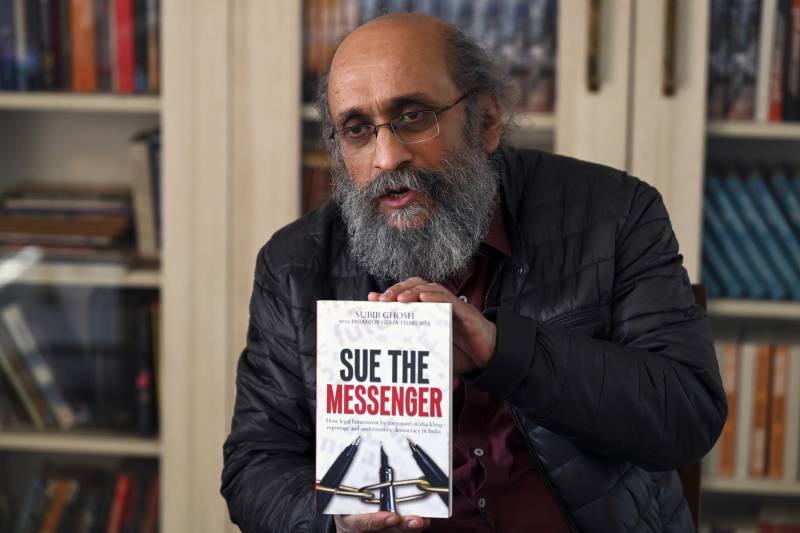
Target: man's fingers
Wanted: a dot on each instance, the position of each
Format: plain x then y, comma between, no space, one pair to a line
390,294
355,523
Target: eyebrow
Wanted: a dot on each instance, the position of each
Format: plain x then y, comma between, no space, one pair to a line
394,103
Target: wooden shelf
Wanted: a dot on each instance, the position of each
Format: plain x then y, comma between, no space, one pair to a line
536,121
754,309
80,443
83,274
763,487
524,121
754,130
108,103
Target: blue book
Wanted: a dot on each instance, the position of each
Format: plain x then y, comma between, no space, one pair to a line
788,197
714,226
765,238
732,220
8,63
730,285
779,226
710,280
33,496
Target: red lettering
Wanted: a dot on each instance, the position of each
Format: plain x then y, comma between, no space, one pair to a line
348,399
385,400
397,401
372,392
334,399
436,402
360,408
411,401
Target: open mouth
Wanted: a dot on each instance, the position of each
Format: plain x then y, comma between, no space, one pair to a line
398,193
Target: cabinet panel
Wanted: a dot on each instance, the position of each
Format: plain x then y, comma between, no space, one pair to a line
667,135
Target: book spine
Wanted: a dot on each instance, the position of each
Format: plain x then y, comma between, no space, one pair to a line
748,352
712,254
82,44
20,45
716,228
46,46
744,42
102,48
760,425
140,83
153,46
727,442
123,13
65,45
56,507
121,491
33,58
777,427
718,59
791,89
791,471
755,221
26,512
143,209
22,394
766,39
8,66
40,370
732,220
788,198
779,227
777,72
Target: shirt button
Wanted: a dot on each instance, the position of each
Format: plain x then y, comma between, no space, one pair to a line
463,299
481,502
478,452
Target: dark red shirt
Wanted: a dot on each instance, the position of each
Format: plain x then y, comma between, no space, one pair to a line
496,486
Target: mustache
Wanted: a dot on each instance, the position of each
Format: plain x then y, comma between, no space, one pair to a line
417,179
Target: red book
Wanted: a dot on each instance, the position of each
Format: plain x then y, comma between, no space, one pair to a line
121,490
123,22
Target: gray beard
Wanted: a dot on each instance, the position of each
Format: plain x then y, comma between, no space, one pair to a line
462,195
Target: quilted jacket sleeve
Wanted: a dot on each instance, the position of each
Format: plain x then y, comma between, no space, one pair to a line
268,473
651,393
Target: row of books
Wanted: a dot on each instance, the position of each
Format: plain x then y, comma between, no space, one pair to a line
80,45
522,33
772,518
761,436
751,233
85,500
53,380
754,60
94,223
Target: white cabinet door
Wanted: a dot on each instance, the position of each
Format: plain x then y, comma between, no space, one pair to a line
667,134
592,122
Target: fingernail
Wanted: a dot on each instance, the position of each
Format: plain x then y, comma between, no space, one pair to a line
413,523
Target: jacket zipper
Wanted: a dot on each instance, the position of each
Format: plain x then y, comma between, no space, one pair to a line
537,463
570,318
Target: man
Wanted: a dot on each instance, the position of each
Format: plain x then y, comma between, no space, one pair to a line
585,372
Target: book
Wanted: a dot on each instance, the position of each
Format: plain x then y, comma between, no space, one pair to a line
743,59
123,46
766,39
8,66
746,387
777,410
31,350
730,284
791,81
777,59
384,382
144,197
718,59
791,456
760,423
729,363
83,44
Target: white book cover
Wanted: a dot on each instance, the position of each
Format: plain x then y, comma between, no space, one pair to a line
765,44
384,383
744,415
792,450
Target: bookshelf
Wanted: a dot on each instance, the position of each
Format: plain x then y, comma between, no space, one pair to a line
104,103
757,487
745,309
754,130
81,444
87,275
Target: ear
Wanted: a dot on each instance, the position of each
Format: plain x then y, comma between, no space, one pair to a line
491,125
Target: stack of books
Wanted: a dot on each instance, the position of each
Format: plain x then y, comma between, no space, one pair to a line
80,45
751,232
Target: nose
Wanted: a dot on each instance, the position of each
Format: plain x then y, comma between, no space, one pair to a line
390,153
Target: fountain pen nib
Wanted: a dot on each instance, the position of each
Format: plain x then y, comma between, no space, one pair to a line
384,458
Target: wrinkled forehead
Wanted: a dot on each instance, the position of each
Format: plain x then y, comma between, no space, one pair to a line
381,62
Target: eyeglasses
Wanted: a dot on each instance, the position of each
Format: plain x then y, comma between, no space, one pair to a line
411,127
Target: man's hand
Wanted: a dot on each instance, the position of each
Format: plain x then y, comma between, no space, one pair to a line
474,336
383,521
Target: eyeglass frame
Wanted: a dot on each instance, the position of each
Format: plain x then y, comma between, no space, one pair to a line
375,127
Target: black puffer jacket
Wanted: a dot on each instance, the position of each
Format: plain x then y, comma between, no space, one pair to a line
602,354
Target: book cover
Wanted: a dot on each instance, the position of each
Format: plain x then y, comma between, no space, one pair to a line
777,411
765,41
791,470
384,382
